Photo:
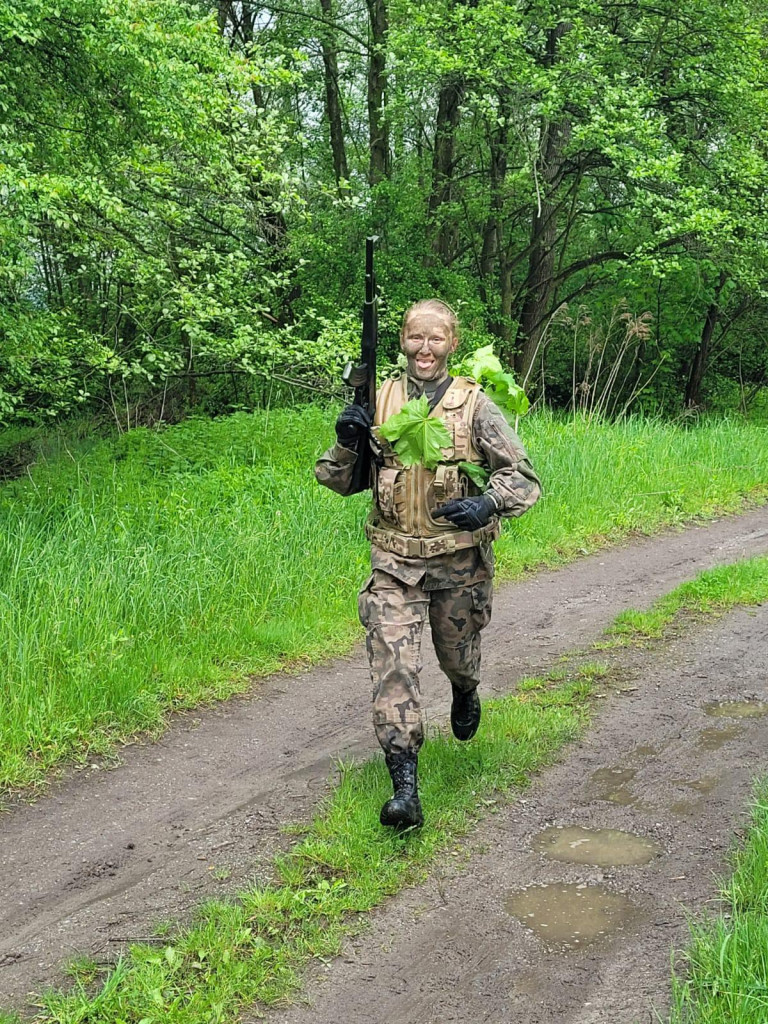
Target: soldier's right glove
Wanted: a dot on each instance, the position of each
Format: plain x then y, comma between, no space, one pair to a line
353,423
469,513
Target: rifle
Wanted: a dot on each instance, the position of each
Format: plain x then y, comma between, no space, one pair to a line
363,376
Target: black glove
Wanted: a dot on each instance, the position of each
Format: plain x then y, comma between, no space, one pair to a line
469,513
353,423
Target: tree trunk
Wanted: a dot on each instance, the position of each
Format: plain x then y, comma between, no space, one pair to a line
378,130
699,361
493,256
539,287
443,163
333,103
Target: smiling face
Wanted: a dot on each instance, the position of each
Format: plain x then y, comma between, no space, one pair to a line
427,341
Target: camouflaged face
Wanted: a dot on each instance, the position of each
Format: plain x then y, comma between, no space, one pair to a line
394,613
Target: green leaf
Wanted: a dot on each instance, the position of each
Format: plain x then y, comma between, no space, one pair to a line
416,436
477,474
507,394
480,363
499,385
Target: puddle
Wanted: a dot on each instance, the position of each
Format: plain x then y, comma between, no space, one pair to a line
570,916
737,709
611,784
714,739
647,751
686,808
603,847
704,785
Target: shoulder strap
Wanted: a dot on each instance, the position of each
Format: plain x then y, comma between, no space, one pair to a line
438,395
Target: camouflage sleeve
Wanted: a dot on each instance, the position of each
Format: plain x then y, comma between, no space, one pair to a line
334,468
513,480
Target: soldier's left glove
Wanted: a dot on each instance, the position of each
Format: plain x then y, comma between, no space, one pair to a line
470,513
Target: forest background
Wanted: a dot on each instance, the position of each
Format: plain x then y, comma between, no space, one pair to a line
186,188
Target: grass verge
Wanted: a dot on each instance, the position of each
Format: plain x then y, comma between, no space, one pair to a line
715,591
252,951
722,977
160,570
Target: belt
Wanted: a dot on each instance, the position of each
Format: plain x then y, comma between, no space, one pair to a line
428,547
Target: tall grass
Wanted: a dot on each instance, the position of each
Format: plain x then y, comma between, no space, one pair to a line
162,569
723,976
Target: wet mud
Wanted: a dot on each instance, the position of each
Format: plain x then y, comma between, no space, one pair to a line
518,935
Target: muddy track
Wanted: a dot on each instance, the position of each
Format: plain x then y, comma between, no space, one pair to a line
107,853
471,946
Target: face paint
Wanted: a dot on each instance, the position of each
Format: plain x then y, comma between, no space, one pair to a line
427,341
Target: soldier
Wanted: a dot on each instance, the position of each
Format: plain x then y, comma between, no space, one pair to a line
431,535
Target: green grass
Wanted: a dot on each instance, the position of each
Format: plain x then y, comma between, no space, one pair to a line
252,951
712,592
722,978
164,569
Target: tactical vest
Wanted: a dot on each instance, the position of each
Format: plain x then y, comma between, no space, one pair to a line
403,497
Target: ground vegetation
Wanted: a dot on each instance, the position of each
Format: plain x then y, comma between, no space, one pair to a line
253,950
181,562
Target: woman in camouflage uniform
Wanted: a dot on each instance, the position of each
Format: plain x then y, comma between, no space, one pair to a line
431,536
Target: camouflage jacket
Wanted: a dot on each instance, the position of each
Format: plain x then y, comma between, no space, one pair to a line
512,480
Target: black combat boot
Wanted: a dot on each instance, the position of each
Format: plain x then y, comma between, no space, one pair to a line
465,713
404,809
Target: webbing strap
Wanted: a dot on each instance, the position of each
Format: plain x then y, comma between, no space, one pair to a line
438,395
428,547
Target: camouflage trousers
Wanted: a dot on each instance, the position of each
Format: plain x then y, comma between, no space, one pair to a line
394,614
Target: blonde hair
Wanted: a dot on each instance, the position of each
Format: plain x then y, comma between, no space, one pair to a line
433,306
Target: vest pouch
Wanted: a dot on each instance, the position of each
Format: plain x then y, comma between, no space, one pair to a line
448,483
389,493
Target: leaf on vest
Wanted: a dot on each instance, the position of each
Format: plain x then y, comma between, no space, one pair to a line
416,436
499,385
479,475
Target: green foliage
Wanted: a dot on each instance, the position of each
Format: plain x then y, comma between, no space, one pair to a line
416,436
477,474
173,230
179,562
715,591
722,976
140,190
499,385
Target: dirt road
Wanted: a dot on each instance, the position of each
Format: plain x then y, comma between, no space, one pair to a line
509,937
107,853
